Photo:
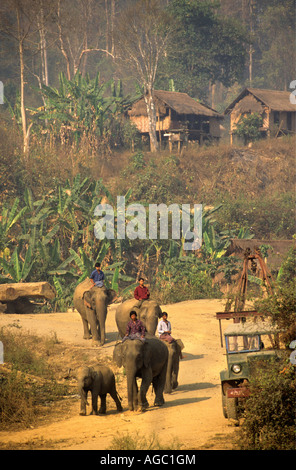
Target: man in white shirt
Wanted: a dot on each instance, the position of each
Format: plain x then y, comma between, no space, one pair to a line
164,329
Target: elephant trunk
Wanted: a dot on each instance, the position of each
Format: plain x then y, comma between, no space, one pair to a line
132,390
168,381
101,312
172,372
83,395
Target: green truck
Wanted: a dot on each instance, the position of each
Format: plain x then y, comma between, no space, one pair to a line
245,343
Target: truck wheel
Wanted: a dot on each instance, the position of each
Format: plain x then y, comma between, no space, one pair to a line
224,405
232,408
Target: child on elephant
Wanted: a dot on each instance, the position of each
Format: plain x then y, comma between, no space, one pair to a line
135,329
141,293
97,276
97,279
164,329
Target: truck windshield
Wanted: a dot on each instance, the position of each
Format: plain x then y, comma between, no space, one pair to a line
242,343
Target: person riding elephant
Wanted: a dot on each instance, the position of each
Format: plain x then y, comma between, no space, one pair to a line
99,380
91,302
147,360
135,328
149,314
141,293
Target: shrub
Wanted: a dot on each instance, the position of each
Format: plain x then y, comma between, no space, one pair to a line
138,442
183,279
248,127
26,382
269,422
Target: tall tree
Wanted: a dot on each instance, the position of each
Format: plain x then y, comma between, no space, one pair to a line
79,32
142,34
205,48
18,21
277,43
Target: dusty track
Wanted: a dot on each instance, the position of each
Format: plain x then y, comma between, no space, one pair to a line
192,414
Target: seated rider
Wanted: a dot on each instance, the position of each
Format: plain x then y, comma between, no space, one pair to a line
164,329
135,329
141,293
97,276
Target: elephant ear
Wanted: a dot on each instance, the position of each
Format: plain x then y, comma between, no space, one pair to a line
146,355
92,373
87,296
117,355
180,344
111,295
159,312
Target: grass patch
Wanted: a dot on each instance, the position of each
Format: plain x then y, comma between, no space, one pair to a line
138,442
27,380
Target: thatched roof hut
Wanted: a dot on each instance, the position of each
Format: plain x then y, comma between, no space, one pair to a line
278,113
181,103
177,113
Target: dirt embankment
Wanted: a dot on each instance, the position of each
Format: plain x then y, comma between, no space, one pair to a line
192,414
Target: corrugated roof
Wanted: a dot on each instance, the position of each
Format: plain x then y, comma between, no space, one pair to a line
274,99
251,329
179,102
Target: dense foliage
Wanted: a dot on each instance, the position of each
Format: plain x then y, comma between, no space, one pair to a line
269,422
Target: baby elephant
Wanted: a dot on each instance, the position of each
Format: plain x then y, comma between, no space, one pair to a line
99,380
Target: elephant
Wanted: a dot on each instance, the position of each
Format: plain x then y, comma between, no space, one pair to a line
174,354
145,359
99,380
94,318
148,313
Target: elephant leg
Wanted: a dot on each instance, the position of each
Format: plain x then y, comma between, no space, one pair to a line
103,406
80,307
86,332
92,320
83,403
135,395
114,395
158,384
146,381
94,401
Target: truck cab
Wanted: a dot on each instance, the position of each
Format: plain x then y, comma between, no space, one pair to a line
245,343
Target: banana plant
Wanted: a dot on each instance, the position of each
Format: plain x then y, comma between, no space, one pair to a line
213,245
81,106
17,269
8,219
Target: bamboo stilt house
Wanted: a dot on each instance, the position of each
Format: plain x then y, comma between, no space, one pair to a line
277,112
178,118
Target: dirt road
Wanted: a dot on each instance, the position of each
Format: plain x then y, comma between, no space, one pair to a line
192,414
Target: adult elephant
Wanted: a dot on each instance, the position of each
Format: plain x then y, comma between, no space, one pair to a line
91,303
147,360
148,313
174,354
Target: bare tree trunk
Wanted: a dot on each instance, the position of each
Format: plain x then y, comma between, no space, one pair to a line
43,49
107,26
148,97
112,19
62,42
23,111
